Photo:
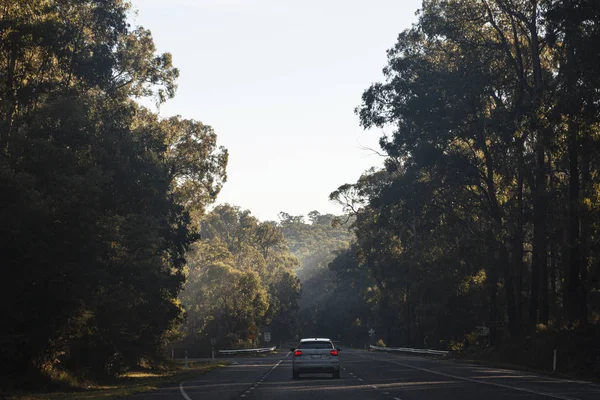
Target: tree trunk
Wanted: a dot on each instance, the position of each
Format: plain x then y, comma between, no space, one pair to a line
573,260
545,306
518,244
586,233
539,257
577,303
493,306
511,307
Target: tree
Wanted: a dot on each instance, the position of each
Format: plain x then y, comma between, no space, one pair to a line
489,115
241,280
97,218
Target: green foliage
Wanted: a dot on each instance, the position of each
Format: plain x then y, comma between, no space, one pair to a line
96,215
314,244
241,281
485,208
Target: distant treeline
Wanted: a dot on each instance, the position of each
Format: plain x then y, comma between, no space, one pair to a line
241,282
100,198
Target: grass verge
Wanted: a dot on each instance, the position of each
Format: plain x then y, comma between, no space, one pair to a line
125,385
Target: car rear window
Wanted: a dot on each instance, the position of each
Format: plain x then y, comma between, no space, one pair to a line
315,345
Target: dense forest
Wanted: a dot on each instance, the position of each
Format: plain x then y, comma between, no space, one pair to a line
100,198
316,243
487,210
241,282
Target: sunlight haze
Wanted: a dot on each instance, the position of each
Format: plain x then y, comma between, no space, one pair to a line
279,81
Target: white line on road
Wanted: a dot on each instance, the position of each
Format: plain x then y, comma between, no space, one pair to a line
397,398
360,379
461,378
183,393
186,397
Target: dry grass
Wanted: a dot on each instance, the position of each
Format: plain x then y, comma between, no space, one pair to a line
123,386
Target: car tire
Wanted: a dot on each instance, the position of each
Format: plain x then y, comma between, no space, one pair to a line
295,375
336,375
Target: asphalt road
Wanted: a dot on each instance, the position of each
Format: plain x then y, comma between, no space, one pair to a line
373,375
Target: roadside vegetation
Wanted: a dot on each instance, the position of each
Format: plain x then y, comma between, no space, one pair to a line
480,234
240,283
66,387
486,211
100,197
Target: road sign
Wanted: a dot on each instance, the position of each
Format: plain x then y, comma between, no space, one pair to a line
267,337
482,330
371,332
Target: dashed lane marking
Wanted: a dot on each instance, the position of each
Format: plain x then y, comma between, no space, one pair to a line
255,384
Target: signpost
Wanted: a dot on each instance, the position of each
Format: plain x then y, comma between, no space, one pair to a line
267,337
371,334
482,330
213,341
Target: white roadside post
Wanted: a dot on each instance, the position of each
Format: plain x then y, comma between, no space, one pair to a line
213,341
554,362
186,361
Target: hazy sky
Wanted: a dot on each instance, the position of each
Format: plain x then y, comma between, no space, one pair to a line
278,80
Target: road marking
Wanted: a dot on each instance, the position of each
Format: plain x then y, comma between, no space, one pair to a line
360,379
386,393
183,393
460,378
397,398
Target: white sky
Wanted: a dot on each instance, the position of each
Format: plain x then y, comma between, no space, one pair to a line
278,80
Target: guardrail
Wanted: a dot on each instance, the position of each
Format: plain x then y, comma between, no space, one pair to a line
408,350
242,351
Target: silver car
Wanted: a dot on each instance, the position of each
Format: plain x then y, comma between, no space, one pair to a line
315,355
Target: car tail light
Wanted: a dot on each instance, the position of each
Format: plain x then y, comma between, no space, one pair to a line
297,353
333,352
